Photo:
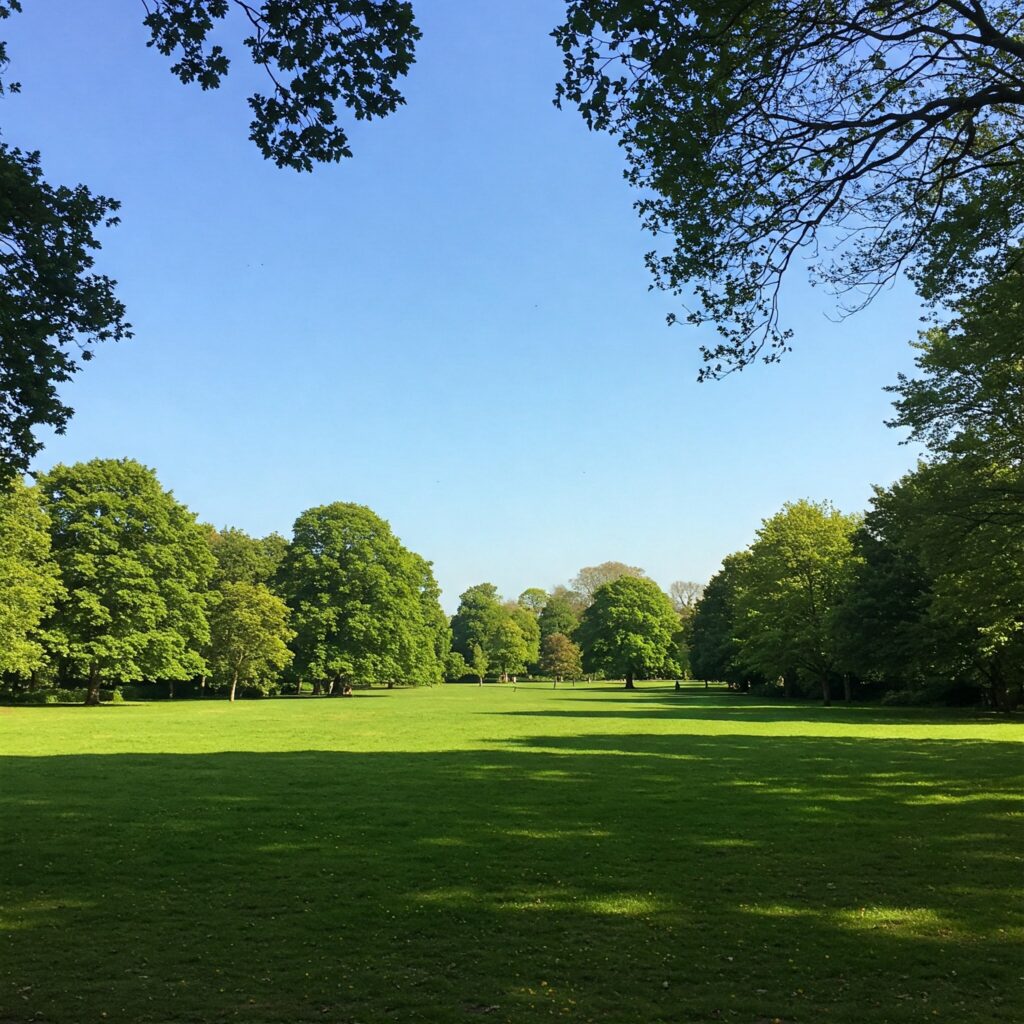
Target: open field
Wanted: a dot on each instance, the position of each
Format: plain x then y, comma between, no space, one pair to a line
460,853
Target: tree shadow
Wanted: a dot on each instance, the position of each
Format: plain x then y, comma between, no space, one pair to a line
724,705
596,877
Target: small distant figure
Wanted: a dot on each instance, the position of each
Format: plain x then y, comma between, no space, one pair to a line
678,686
346,690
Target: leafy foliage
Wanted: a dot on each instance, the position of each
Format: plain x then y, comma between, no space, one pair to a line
54,307
587,581
319,55
361,602
29,579
249,636
861,137
135,565
628,630
561,658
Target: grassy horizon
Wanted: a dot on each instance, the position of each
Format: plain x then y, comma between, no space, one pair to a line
586,854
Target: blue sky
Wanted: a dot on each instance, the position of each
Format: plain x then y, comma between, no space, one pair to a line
453,327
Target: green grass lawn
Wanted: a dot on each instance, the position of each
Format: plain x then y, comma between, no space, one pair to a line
462,853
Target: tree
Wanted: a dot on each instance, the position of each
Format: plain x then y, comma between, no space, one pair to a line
509,650
560,615
244,559
799,569
760,133
591,577
628,629
358,601
969,398
685,594
561,658
135,566
319,56
476,619
29,578
533,599
714,649
455,667
479,663
530,628
52,303
249,636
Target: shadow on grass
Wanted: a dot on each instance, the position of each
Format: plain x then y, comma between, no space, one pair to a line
723,705
593,878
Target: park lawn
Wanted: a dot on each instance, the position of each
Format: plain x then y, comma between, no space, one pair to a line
464,853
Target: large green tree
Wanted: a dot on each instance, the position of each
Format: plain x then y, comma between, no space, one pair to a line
476,619
800,567
249,636
628,630
560,658
244,559
852,139
29,578
135,566
561,614
714,649
361,602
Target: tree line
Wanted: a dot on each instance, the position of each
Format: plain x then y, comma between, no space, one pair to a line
923,595
107,580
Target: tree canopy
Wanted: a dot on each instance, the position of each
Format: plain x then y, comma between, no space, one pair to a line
359,601
861,138
628,630
135,565
29,577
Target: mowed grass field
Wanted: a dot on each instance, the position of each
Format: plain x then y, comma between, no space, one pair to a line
462,854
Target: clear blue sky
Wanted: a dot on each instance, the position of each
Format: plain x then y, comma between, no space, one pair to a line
453,327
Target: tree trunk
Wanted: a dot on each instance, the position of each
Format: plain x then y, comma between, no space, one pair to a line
629,681
202,685
826,692
847,688
298,687
787,688
170,689
92,695
234,683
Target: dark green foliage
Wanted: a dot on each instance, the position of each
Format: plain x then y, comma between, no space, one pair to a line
856,139
319,56
559,615
362,604
244,559
53,306
135,565
628,629
476,619
715,651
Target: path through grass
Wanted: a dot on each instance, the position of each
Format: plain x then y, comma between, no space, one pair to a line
462,853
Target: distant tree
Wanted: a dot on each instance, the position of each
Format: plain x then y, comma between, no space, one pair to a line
560,615
533,599
714,649
685,594
476,619
628,630
249,636
799,570
530,628
573,598
561,658
358,602
29,577
509,649
590,577
455,667
135,566
479,663
244,559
